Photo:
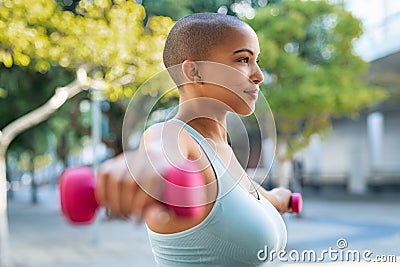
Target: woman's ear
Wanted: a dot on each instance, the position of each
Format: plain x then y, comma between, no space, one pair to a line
190,70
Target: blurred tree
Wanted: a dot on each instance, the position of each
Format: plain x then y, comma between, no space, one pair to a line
176,11
311,71
104,44
22,98
68,5
167,8
18,83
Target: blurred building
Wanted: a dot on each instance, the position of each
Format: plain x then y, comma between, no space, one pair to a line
364,153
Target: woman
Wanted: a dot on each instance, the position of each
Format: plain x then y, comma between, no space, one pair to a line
213,60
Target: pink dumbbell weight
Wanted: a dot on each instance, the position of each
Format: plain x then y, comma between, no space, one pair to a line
184,194
296,203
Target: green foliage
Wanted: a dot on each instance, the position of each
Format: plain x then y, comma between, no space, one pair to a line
167,8
25,90
312,73
40,35
43,44
177,10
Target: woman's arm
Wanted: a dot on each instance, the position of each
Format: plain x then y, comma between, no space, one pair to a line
131,182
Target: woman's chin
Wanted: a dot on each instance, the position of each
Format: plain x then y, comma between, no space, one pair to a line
246,111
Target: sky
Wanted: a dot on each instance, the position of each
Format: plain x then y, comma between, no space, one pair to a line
373,12
381,31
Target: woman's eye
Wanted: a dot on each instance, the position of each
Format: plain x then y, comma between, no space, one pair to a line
244,60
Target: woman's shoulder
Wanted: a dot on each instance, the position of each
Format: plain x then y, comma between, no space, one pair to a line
170,133
166,127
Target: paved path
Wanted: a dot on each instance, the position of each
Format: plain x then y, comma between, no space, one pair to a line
371,223
40,237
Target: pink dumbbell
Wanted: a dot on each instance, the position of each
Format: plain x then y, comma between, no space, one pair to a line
78,202
183,194
296,203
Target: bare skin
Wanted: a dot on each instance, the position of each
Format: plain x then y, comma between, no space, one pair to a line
167,143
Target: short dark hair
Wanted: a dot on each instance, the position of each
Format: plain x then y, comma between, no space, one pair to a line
193,36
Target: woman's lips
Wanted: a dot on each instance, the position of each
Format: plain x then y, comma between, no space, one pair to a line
253,93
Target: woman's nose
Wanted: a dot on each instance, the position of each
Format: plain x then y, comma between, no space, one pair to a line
257,76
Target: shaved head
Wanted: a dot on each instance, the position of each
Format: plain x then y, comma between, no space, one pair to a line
193,36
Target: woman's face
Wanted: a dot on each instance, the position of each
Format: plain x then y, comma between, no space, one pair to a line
233,75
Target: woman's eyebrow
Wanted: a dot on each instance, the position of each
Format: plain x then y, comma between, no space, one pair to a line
244,50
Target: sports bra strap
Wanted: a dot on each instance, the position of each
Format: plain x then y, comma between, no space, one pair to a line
224,178
204,144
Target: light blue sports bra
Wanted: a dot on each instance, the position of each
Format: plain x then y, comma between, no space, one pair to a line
232,234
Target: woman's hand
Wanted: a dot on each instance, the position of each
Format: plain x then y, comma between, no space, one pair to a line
282,196
279,198
117,190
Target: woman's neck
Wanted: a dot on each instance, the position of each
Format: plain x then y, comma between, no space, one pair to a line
200,115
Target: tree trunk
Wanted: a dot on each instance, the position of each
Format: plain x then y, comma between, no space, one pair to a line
4,242
34,185
8,134
284,165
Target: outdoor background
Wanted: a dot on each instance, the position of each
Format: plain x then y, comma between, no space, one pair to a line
68,70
